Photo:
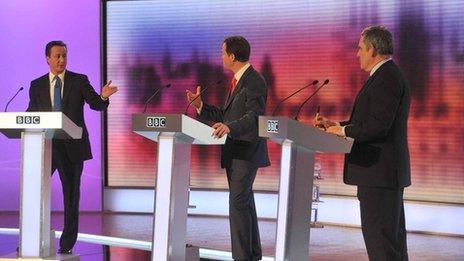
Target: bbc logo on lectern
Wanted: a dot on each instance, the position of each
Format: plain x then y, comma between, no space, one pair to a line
27,119
156,122
273,126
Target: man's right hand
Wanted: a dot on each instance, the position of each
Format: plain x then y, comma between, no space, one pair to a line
323,123
191,96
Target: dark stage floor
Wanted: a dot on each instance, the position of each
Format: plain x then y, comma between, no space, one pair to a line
328,243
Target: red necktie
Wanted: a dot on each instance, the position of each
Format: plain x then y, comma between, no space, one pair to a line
233,83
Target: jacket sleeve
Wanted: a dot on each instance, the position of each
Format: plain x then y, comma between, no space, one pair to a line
383,102
255,105
211,113
92,97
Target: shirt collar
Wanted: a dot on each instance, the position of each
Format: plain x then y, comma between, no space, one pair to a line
51,76
377,66
240,72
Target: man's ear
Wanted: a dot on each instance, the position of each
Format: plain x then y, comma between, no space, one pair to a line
233,57
374,51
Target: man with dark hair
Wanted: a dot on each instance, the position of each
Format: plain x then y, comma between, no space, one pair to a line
244,151
66,91
379,160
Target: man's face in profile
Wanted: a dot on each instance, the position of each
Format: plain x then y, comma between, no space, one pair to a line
365,55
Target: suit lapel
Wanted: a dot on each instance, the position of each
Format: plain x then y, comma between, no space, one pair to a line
238,87
366,86
45,93
363,89
370,80
67,88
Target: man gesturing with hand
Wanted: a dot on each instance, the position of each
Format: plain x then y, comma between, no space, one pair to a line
68,92
244,151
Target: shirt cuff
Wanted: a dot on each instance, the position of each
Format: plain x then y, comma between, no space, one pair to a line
343,131
103,98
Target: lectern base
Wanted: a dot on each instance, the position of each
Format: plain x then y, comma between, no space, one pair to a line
192,253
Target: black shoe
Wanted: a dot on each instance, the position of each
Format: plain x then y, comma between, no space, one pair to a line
64,251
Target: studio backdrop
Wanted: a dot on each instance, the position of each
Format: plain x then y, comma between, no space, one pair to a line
153,43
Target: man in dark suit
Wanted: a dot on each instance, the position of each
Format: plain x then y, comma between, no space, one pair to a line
379,160
244,151
66,91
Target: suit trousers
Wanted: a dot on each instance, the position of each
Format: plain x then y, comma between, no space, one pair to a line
70,176
383,223
246,244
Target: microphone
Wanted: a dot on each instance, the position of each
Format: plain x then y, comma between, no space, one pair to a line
297,91
309,98
202,91
153,96
8,103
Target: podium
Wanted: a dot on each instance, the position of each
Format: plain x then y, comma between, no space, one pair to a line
36,130
299,143
175,134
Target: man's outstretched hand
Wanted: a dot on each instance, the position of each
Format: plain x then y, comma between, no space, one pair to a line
191,96
108,90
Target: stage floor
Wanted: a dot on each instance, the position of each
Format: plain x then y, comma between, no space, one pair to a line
328,243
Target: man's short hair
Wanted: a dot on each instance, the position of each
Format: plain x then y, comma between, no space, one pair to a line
380,38
48,47
238,46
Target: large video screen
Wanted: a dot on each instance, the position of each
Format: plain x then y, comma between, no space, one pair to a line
153,43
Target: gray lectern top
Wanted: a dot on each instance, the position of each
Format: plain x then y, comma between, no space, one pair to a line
183,127
280,128
56,125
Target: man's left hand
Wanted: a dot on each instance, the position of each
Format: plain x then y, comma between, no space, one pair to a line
108,90
337,130
220,129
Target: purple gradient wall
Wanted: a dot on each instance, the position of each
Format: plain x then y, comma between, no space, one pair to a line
25,27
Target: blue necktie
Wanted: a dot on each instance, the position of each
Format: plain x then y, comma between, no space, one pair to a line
57,94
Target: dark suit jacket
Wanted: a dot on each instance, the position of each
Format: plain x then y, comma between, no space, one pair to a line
378,123
77,90
240,114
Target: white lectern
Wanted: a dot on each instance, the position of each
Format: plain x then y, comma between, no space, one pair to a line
174,133
299,143
36,130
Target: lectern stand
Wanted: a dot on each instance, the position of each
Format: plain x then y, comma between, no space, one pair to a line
299,143
36,130
174,133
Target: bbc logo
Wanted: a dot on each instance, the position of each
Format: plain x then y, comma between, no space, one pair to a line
273,126
27,119
156,122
